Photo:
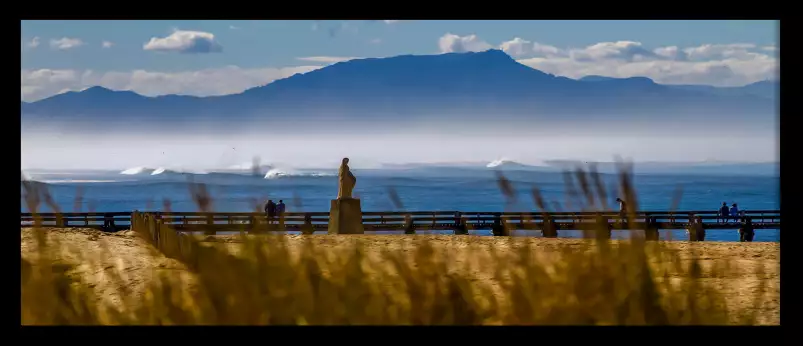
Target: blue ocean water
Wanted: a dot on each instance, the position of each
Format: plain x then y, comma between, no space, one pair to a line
417,190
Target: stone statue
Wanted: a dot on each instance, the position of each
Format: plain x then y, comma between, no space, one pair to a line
345,214
347,180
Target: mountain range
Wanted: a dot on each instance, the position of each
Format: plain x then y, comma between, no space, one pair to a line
475,86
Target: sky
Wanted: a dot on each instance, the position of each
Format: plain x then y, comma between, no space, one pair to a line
205,58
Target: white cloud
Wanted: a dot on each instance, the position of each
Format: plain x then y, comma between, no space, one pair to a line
375,41
711,64
38,84
65,43
519,47
720,51
326,59
619,50
771,48
671,53
451,43
107,44
33,43
725,72
184,41
391,21
232,27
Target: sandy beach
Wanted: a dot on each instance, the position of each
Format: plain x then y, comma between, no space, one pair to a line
139,261
96,254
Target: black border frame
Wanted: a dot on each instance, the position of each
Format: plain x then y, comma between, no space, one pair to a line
177,10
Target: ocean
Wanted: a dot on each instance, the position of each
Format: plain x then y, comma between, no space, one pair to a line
423,189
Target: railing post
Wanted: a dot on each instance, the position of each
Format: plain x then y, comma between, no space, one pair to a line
498,229
59,220
307,228
651,228
210,223
460,224
409,227
600,228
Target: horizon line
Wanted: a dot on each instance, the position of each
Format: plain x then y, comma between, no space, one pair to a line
551,163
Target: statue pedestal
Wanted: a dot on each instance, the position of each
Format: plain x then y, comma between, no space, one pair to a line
345,216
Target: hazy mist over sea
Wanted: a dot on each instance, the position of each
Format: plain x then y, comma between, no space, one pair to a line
317,145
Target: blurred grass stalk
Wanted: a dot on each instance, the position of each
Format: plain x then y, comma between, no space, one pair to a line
600,283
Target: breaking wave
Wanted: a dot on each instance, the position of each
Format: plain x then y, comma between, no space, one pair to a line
157,171
281,173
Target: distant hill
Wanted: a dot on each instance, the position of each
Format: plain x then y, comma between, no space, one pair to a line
765,89
485,86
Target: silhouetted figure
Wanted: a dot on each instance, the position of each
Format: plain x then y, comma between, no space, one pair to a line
280,208
747,232
280,211
735,212
270,210
622,210
723,213
695,228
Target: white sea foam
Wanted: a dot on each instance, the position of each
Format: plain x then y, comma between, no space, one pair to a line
158,171
134,170
496,163
279,173
71,181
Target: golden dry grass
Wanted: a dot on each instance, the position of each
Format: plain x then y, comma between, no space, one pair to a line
121,279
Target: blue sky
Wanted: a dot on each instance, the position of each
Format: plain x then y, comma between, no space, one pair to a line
58,56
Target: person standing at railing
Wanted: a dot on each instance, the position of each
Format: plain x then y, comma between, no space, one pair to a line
734,212
280,211
723,213
270,210
622,210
